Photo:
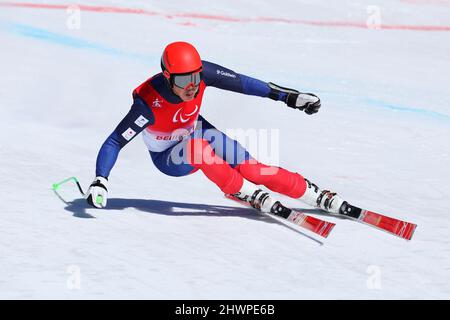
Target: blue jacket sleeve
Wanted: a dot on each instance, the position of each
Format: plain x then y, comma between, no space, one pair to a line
220,77
138,118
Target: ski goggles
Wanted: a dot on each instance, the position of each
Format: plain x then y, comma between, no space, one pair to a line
186,81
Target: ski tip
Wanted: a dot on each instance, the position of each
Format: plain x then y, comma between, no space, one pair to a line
408,236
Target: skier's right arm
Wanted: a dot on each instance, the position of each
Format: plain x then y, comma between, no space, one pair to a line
138,118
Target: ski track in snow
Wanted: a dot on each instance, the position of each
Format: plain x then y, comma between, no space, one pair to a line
381,140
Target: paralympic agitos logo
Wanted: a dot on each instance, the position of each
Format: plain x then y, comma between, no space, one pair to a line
178,116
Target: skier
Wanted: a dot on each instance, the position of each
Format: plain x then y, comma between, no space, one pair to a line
166,109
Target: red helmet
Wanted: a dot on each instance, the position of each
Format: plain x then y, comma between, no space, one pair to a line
180,58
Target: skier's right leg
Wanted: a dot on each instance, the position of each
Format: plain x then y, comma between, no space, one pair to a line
275,178
291,184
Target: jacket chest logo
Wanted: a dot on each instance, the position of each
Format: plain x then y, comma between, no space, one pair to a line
179,117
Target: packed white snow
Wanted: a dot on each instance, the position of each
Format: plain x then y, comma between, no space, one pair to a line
381,140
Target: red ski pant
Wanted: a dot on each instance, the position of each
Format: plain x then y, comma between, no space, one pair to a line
201,156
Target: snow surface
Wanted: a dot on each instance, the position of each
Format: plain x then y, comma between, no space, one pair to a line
381,140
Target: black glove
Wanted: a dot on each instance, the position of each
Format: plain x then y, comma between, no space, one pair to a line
308,102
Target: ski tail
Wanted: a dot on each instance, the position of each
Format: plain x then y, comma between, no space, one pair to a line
318,226
315,225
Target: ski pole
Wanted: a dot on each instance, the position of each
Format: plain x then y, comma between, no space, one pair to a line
56,186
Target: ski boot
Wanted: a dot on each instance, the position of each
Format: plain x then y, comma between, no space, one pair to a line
322,199
255,196
261,200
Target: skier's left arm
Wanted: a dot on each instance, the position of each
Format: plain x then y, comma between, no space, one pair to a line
223,78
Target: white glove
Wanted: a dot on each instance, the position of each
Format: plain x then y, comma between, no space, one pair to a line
97,195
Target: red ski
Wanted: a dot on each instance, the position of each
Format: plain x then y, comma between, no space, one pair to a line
399,228
320,227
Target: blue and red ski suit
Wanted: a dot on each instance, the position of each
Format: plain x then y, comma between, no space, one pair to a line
181,141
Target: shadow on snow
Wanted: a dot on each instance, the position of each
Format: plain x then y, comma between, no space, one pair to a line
79,208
